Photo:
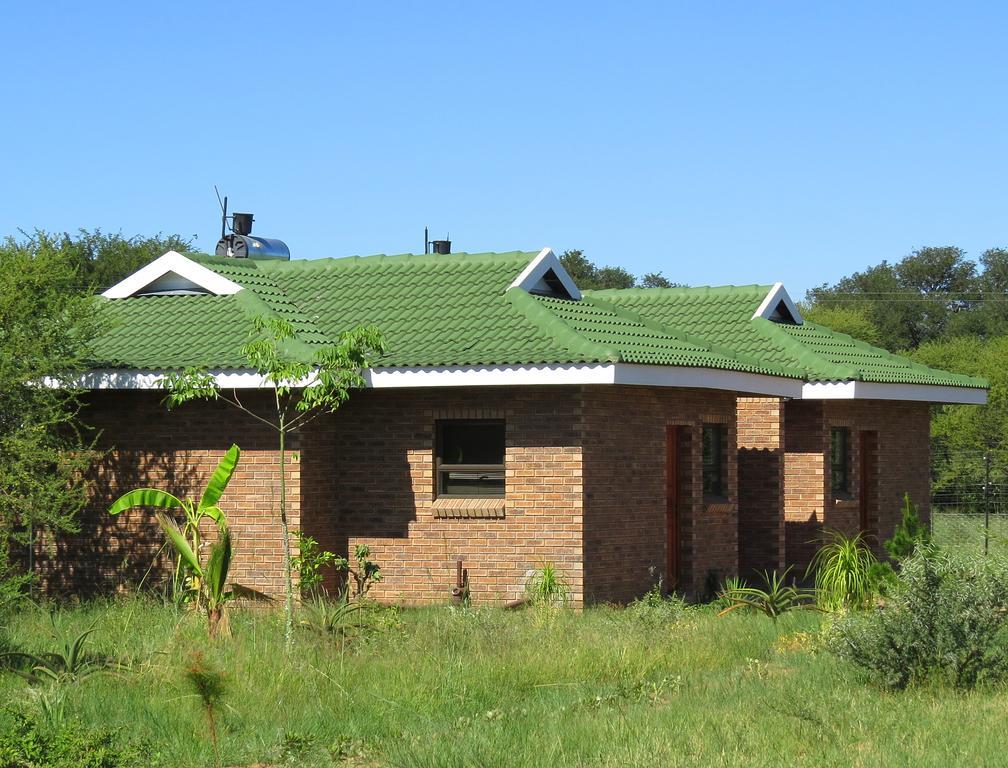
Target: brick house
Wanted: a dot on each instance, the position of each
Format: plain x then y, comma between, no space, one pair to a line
682,433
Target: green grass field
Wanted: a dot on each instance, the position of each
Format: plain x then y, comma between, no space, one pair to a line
484,687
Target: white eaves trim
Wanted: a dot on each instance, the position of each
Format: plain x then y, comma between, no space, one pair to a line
483,376
531,278
870,390
172,272
776,295
573,374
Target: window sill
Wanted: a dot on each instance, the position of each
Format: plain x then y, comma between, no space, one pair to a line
477,508
716,502
844,502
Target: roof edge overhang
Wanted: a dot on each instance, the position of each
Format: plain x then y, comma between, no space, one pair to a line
476,376
871,390
184,273
633,374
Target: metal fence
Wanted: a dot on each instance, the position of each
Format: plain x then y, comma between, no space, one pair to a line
969,502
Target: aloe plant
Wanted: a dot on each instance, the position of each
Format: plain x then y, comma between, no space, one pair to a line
778,597
193,512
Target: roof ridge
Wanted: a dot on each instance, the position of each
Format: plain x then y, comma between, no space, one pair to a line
676,290
771,330
560,330
690,338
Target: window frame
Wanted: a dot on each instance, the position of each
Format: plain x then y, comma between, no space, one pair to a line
441,467
713,485
840,465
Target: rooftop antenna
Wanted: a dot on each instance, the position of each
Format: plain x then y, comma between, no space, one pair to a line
223,207
426,241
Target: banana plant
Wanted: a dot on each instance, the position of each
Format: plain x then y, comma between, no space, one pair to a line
212,577
192,512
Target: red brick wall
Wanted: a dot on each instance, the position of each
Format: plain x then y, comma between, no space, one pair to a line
898,435
148,446
625,490
368,474
761,484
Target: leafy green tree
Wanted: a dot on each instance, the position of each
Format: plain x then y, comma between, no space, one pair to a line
962,434
852,320
302,391
102,259
910,302
46,324
589,276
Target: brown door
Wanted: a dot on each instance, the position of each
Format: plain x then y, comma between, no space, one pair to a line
672,504
867,469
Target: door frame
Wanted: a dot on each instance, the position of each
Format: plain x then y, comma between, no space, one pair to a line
672,503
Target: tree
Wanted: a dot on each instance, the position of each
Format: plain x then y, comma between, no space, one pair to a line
302,391
852,320
589,276
46,324
910,302
102,260
962,434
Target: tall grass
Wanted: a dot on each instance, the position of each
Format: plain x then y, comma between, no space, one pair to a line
487,687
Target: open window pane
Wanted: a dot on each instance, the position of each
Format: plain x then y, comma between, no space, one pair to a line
470,458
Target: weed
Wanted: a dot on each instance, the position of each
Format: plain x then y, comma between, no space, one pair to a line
209,685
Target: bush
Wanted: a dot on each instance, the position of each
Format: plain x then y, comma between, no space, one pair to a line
29,744
655,609
946,621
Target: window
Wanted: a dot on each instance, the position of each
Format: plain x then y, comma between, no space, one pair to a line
713,460
470,458
840,459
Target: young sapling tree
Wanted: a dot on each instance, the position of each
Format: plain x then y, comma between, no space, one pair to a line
305,384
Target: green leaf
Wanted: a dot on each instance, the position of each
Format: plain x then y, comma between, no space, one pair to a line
217,568
174,535
221,477
145,497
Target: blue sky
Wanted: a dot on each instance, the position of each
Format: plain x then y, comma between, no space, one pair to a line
715,142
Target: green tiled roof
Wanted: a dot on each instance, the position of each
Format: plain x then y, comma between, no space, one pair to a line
723,317
458,310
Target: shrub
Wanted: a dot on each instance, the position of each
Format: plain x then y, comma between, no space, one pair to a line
843,573
909,534
654,609
946,621
310,561
70,745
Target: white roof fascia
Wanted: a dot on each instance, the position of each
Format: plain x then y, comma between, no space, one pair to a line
776,295
530,278
871,390
481,376
173,262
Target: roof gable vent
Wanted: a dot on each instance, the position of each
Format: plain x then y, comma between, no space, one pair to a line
778,307
545,276
170,274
